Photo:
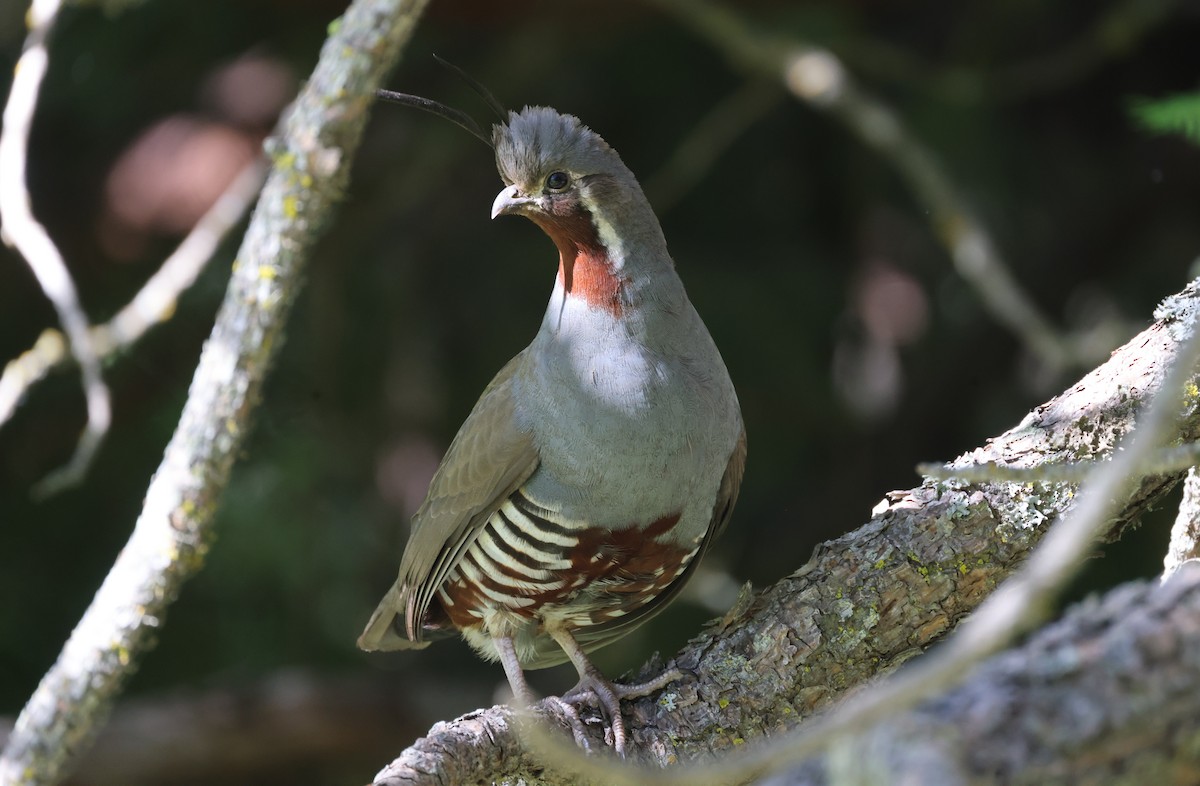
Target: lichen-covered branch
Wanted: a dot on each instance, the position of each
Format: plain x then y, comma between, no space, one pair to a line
311,158
869,600
1108,694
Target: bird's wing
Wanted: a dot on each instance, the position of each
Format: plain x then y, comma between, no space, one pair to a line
593,637
488,460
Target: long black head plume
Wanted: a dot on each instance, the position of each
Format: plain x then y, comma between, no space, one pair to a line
459,118
477,86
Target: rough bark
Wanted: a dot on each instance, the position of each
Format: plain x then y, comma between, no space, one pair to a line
865,602
1108,694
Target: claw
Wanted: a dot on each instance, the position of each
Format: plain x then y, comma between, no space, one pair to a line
571,712
593,688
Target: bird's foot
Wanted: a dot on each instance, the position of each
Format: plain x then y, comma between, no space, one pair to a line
570,713
595,689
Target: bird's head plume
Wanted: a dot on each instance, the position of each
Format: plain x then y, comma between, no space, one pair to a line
561,175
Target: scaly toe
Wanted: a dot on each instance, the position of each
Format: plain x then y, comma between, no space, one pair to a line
601,693
639,689
571,713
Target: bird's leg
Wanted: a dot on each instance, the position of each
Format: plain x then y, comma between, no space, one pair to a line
608,695
524,695
512,669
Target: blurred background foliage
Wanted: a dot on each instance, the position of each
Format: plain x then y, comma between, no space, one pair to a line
856,349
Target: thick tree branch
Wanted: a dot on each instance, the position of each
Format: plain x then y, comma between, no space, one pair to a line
311,158
1110,693
869,600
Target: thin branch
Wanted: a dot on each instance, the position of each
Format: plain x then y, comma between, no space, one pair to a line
153,304
707,140
1115,33
311,159
23,232
818,78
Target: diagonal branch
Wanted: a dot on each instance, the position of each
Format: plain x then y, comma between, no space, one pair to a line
311,159
154,303
869,600
817,77
1114,33
23,232
712,134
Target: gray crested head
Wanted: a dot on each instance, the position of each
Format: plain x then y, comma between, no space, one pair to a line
538,140
565,178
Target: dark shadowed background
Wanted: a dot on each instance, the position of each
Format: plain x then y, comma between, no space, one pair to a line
856,349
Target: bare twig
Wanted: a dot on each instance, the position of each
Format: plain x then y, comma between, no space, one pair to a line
154,302
23,232
1114,33
311,158
817,77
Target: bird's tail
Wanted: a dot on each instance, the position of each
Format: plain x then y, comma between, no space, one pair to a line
383,631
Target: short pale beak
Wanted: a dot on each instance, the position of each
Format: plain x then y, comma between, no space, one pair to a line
510,201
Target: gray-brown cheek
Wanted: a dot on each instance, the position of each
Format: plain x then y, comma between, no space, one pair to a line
563,205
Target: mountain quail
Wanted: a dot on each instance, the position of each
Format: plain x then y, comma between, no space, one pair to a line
585,486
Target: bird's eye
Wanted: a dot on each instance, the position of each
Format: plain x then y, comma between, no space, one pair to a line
557,181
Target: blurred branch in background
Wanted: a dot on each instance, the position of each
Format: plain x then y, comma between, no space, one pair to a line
1114,34
288,723
818,78
311,157
705,142
154,303
21,230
